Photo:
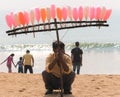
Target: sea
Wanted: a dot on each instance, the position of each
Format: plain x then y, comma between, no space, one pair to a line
100,45
98,58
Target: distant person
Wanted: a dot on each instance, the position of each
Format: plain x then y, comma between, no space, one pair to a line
51,75
76,55
20,65
9,63
28,62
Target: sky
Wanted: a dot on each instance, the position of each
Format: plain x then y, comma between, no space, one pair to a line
28,4
7,6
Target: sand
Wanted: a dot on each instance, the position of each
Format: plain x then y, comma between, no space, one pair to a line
32,85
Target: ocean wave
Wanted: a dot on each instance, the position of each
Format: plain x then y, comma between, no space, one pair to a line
69,46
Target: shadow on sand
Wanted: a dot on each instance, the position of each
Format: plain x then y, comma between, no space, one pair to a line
58,95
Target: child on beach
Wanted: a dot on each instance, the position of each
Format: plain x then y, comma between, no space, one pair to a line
9,60
20,65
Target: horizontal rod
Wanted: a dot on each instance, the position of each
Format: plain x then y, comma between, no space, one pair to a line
59,28
52,23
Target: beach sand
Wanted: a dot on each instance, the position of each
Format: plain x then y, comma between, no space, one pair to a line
32,85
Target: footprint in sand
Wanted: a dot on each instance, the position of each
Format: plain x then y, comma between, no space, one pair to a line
22,90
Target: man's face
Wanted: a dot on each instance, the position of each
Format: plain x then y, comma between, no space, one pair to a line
59,49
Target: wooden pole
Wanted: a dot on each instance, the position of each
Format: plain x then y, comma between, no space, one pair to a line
60,65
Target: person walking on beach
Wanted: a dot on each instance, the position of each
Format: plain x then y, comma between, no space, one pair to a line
9,63
51,75
20,65
28,62
76,56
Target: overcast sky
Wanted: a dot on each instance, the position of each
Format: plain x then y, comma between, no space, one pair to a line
29,4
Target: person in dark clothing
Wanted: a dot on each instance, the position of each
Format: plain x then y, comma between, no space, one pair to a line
76,56
20,65
51,75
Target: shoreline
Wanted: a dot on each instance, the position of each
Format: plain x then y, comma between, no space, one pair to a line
93,62
32,85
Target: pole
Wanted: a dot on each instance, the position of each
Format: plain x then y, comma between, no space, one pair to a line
61,78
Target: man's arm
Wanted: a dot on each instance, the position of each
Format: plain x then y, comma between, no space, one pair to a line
52,64
72,57
81,59
32,61
63,62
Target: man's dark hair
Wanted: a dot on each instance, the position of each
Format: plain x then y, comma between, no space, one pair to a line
77,43
55,45
27,51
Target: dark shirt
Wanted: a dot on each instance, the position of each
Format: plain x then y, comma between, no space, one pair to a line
77,54
20,63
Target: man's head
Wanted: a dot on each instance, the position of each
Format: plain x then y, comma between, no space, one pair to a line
77,43
60,46
27,51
